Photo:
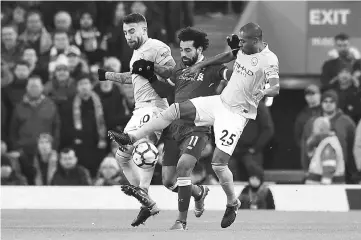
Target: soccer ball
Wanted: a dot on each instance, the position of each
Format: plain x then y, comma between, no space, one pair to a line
145,155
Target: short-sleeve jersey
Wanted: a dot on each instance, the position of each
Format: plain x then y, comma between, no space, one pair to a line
250,73
203,84
157,52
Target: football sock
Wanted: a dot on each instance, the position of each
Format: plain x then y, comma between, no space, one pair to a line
162,121
130,170
196,192
225,177
184,196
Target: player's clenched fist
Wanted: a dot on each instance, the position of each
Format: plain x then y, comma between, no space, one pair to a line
145,69
101,74
233,43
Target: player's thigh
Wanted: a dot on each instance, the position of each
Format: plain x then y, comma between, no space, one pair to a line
142,116
171,153
194,144
228,128
205,111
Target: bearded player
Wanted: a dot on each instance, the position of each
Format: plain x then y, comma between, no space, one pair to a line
147,102
229,112
184,141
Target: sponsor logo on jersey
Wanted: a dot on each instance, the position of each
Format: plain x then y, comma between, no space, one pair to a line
242,69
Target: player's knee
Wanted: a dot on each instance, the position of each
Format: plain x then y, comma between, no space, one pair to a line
219,168
172,113
169,177
185,165
220,157
123,157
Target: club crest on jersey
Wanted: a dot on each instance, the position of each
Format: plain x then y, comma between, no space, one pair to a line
254,61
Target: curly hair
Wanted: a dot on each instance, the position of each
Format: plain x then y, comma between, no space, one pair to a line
191,34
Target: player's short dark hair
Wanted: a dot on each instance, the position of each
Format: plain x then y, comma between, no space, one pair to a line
252,29
342,37
134,18
191,34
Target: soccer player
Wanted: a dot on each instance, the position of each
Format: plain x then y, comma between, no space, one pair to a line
182,140
229,112
147,102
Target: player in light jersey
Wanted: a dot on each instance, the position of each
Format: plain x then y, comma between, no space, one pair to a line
147,102
229,112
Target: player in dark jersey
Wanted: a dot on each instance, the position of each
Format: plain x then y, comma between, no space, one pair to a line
183,141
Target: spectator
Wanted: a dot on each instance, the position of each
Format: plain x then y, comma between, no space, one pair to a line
8,175
34,115
87,39
18,18
63,23
116,112
356,73
14,92
327,164
349,95
11,48
256,195
109,173
156,30
342,45
45,161
69,172
331,68
35,34
35,66
60,48
85,126
341,124
357,149
7,76
313,108
255,136
62,87
114,43
77,65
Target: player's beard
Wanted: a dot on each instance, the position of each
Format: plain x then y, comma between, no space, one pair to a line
134,44
190,61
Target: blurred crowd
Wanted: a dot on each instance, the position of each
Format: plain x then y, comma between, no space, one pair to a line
55,113
325,130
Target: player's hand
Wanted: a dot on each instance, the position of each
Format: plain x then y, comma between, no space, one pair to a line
143,68
101,74
259,95
233,43
191,71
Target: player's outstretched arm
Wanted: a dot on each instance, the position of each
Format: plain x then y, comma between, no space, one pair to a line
216,60
165,71
123,78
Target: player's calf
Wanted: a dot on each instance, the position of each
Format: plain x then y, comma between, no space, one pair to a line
129,168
